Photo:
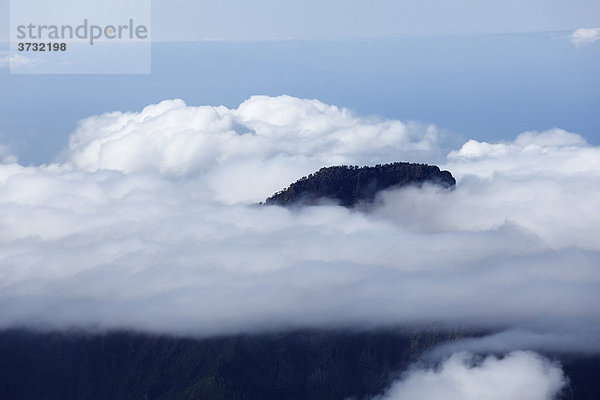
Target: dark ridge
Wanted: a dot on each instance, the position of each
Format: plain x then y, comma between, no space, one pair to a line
298,365
302,365
349,185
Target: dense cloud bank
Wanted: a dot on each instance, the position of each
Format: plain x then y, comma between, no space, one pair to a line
148,222
245,154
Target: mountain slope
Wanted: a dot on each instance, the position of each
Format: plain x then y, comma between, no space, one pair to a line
299,365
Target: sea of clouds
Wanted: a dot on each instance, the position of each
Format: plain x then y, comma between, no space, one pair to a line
148,220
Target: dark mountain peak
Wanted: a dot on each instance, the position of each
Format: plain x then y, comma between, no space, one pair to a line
349,185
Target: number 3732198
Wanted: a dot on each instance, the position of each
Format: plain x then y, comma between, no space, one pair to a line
24,46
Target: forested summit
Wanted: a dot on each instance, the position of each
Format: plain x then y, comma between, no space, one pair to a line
349,185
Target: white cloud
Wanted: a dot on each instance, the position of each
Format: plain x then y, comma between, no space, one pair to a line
530,154
585,36
545,183
284,137
517,376
148,223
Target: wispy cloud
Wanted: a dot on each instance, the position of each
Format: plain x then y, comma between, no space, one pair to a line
585,36
6,156
16,60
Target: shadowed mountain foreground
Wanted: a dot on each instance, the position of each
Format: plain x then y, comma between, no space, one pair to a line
350,185
300,365
123,365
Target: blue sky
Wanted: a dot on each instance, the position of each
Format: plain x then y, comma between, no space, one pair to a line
462,65
351,19
314,19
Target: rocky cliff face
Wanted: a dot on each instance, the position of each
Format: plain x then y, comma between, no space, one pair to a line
349,185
